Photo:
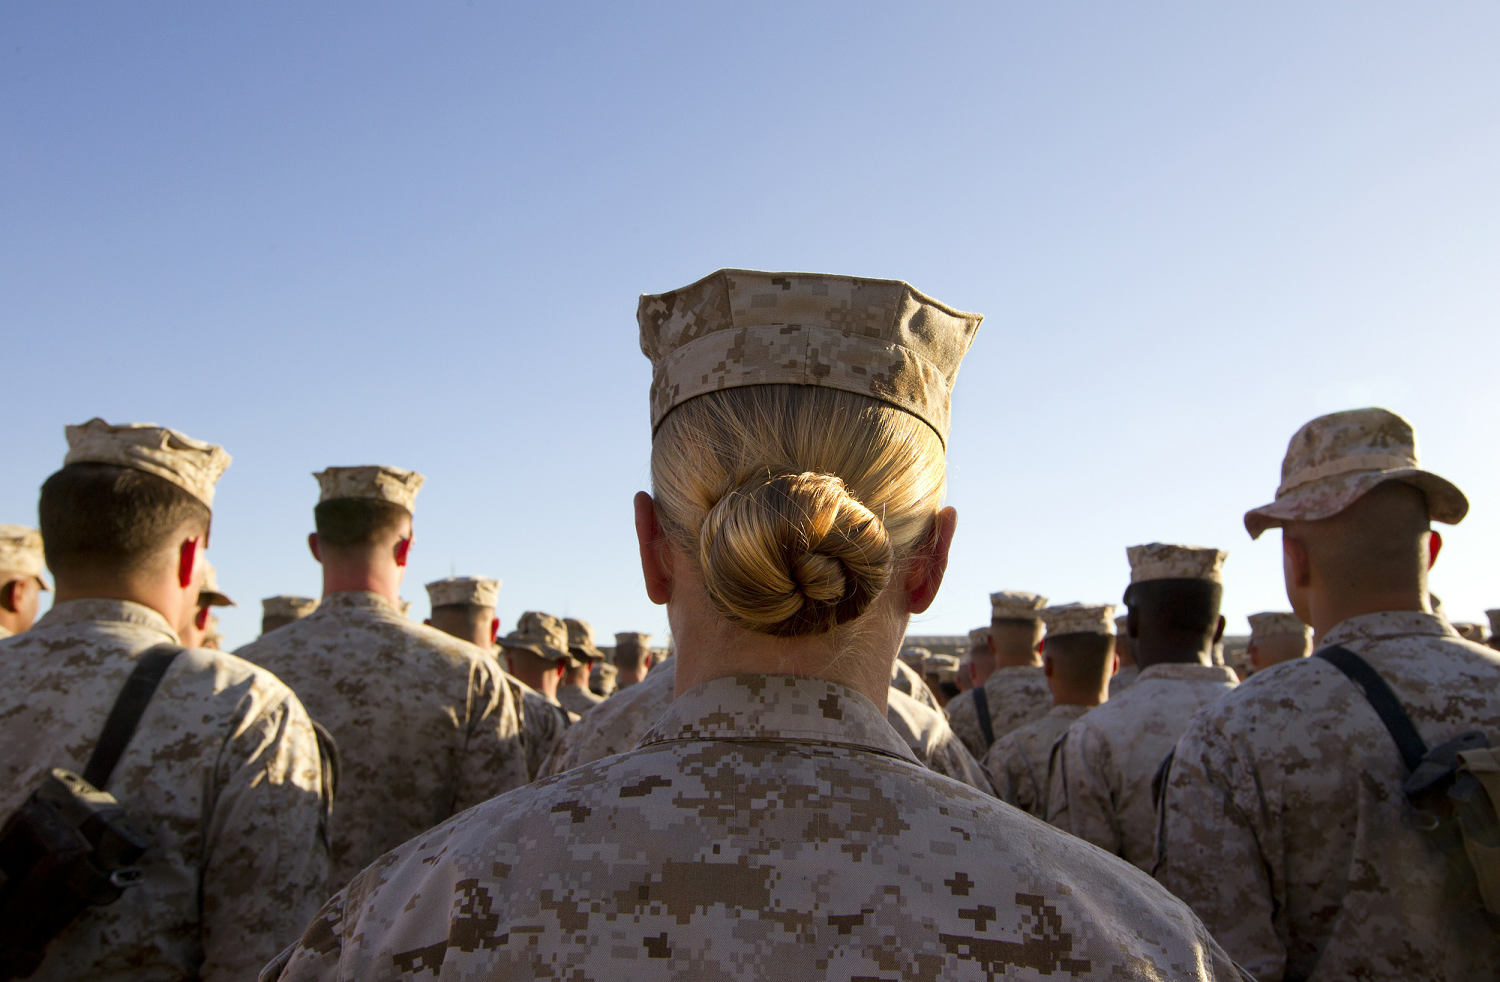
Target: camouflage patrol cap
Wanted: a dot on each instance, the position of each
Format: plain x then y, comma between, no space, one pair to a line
944,667
1016,605
1080,619
192,465
1470,631
1335,460
541,634
632,639
373,482
286,605
477,591
1162,561
209,593
979,638
581,640
21,552
1494,616
915,656
1270,623
739,327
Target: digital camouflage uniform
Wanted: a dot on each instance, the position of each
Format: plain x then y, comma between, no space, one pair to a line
1017,762
619,725
543,723
1122,679
1283,820
1102,767
1017,695
425,723
577,701
768,827
223,772
908,680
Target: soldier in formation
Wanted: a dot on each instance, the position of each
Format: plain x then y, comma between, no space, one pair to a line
21,579
194,632
281,610
1015,692
1276,637
632,658
573,692
464,606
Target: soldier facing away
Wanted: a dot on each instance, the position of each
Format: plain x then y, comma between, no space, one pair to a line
573,692
21,580
791,832
281,610
1276,637
223,771
1015,693
1284,822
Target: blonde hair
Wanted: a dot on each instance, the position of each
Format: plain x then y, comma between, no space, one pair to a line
799,503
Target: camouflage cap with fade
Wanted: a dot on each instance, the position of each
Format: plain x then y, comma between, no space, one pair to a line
1078,618
915,656
581,640
370,482
21,552
541,634
209,593
1270,623
1163,561
1016,605
634,640
474,591
739,327
979,637
192,465
287,605
1335,460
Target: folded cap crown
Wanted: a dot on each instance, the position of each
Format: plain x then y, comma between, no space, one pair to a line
737,327
477,591
1016,605
288,605
1270,623
192,465
1080,619
370,482
1164,561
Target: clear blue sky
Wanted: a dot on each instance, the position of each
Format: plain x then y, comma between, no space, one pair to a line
414,234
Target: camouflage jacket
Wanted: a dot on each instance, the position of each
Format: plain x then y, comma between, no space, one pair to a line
1102,768
1017,762
1121,680
619,725
1284,825
767,826
426,724
543,723
223,773
1017,695
577,701
909,681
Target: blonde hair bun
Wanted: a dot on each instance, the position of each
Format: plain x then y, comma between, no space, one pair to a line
793,554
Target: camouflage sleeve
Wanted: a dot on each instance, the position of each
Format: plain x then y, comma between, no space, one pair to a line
949,757
1006,773
266,850
317,953
494,753
1078,798
1213,819
963,717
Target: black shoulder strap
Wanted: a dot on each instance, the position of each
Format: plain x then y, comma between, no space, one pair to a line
982,706
129,705
1382,700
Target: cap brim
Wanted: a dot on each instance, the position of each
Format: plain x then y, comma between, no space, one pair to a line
585,652
1324,499
41,581
215,599
540,650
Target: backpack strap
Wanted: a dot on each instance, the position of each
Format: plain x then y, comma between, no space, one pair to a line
982,705
1382,700
126,712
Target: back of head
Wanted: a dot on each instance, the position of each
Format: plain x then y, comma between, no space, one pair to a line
630,654
1016,639
1174,619
1081,661
349,526
107,521
471,622
1375,545
798,502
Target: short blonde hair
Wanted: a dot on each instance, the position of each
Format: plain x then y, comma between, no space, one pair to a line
799,503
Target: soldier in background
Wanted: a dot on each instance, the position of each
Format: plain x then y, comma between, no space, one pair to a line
981,657
940,672
1102,768
603,679
195,630
632,658
21,580
536,654
281,610
1494,616
223,771
1276,637
425,723
1078,658
909,681
1127,669
1284,822
1016,691
574,692
464,606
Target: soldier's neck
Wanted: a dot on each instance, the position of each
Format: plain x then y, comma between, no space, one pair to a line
381,579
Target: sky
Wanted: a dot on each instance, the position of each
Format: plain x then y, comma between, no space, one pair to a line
415,234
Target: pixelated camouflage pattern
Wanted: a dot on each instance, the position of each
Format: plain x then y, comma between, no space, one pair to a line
1164,561
926,731
541,634
1017,762
223,772
1334,460
1102,767
286,605
478,591
792,837
21,552
1017,695
373,482
1080,619
1016,605
576,700
543,724
1122,679
581,640
1270,623
209,592
736,327
908,680
192,465
1283,822
426,724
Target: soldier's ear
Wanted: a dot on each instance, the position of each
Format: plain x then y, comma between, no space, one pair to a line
494,629
187,561
312,546
656,550
1219,631
1434,546
200,619
929,563
10,596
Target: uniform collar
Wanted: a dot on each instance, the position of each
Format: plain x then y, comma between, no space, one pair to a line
1068,711
781,709
1189,672
356,600
1387,624
94,610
